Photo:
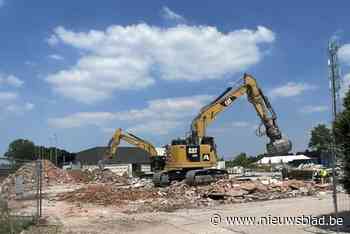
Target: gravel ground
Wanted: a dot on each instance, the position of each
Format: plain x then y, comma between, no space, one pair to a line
96,219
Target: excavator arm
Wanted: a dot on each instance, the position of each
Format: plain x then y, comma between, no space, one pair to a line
208,113
131,139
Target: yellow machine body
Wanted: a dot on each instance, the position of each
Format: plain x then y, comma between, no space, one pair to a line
187,156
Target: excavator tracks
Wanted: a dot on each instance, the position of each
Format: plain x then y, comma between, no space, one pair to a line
191,177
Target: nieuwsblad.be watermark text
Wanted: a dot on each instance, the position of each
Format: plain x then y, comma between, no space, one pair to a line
217,219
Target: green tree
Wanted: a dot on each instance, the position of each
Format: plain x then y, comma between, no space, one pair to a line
241,160
342,137
220,159
321,137
21,149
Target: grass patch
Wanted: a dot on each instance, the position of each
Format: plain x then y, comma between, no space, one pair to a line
10,224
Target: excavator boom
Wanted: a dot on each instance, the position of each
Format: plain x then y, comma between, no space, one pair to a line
208,113
131,139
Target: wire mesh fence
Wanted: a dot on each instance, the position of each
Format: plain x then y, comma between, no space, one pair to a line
341,199
20,194
343,202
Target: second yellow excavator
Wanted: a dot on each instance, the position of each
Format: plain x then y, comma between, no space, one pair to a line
131,139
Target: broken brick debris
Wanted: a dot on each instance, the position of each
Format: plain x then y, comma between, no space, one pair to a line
103,187
180,195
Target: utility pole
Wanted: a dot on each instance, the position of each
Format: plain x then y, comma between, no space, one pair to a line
51,145
56,144
334,77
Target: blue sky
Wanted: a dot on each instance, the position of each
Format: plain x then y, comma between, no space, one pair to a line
80,69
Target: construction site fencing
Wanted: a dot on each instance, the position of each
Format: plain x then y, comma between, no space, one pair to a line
20,194
341,198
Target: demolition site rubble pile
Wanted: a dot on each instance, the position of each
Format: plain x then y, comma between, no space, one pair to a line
103,187
52,175
97,176
107,176
146,198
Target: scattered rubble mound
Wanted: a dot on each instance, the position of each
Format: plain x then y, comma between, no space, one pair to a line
179,195
51,175
80,176
104,187
97,176
55,175
107,176
104,194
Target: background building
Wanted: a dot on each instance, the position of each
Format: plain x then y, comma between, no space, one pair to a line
130,160
282,159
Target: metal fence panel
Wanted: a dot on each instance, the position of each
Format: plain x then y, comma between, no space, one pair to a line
20,193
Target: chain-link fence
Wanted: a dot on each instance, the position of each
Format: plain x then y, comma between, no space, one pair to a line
20,194
341,197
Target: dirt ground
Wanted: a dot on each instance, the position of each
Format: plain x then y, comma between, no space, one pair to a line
100,202
94,219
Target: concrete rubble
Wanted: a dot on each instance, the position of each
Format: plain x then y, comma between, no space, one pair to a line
146,198
139,195
51,175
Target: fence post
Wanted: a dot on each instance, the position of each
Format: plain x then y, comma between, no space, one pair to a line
39,168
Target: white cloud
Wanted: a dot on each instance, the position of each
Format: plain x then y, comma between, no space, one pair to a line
159,116
81,119
17,108
345,85
166,109
29,106
124,58
95,78
56,57
11,80
9,100
313,109
52,40
171,15
344,54
291,89
7,96
344,57
156,127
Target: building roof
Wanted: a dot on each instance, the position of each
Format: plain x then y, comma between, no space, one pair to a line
124,155
281,159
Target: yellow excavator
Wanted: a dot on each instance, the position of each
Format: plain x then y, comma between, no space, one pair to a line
131,139
114,142
195,157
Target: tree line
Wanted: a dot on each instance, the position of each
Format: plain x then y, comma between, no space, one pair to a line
21,150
